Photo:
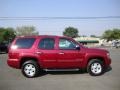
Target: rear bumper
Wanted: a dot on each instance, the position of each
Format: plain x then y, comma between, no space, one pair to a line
14,63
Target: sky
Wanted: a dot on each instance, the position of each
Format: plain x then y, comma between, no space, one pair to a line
62,8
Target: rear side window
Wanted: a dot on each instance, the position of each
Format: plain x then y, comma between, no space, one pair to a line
25,42
46,43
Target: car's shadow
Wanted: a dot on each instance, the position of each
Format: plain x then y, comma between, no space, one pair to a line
3,53
65,72
43,73
108,69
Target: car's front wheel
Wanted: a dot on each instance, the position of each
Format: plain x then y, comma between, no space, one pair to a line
95,67
30,69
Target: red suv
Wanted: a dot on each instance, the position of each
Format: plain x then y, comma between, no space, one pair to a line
32,54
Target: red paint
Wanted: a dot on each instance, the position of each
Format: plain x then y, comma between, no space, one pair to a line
56,58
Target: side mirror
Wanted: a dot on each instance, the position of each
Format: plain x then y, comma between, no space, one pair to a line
77,47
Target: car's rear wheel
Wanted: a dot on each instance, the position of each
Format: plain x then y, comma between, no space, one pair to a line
95,67
30,69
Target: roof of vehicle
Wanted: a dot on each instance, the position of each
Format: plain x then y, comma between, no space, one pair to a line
38,36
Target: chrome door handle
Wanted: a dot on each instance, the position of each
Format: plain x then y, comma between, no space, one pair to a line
61,53
38,52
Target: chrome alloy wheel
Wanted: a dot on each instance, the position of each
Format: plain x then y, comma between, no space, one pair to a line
30,70
96,68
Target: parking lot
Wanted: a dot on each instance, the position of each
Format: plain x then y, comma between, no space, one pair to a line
12,79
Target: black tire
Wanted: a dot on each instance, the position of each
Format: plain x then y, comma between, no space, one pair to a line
30,69
95,67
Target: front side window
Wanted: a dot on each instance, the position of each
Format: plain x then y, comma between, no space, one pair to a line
24,42
46,43
66,44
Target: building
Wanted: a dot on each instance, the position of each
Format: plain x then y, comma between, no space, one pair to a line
89,40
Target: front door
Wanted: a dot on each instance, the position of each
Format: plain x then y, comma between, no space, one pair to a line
68,55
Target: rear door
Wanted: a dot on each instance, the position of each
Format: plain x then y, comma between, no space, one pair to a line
47,52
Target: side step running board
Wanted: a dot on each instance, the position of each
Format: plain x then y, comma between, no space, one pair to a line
61,69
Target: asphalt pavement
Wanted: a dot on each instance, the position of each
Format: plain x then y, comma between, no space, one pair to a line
12,79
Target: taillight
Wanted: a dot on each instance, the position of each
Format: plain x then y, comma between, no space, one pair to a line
14,47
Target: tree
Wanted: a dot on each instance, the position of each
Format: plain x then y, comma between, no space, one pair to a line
26,31
93,36
116,33
71,32
83,35
1,34
111,34
7,34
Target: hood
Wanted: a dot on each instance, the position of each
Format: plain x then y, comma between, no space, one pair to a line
96,50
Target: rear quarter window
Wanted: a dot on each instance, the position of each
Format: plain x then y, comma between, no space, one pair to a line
24,43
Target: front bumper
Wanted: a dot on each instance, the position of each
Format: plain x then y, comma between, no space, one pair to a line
108,62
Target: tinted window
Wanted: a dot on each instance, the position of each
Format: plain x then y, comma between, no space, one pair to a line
66,44
47,43
25,42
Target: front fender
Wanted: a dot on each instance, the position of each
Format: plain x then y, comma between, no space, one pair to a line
90,56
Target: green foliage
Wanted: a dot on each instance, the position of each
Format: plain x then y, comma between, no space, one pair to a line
26,31
1,34
93,36
71,32
7,34
111,34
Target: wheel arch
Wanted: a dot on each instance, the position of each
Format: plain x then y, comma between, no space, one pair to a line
24,59
88,59
98,57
